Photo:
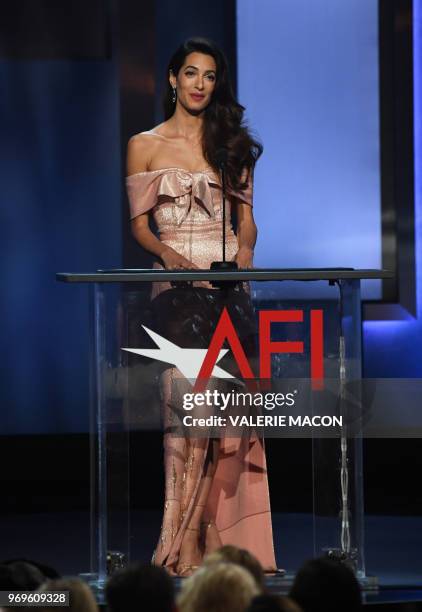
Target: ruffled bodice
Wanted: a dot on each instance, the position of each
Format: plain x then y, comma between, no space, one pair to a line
181,199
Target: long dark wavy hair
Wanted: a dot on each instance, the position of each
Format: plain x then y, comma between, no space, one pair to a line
224,127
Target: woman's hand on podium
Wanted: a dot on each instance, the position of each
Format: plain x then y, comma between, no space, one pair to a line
244,257
174,261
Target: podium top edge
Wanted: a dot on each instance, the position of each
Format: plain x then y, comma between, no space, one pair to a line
255,274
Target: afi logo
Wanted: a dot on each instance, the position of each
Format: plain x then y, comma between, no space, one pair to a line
201,364
225,331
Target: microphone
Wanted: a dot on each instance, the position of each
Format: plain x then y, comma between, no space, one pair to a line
221,157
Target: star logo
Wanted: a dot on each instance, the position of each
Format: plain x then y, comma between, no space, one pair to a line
188,361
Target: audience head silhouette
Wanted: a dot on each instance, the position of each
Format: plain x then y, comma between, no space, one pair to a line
20,576
239,556
268,602
81,598
326,585
140,587
218,587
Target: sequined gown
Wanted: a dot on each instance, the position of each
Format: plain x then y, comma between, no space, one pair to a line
187,210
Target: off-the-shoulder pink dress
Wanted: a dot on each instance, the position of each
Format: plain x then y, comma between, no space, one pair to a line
187,209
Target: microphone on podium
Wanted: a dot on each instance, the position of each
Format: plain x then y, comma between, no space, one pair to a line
221,157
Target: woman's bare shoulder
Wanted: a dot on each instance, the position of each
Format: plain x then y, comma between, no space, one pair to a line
141,149
143,139
155,134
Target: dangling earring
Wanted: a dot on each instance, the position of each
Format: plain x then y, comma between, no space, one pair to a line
173,98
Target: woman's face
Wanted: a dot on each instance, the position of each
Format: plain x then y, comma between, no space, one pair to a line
195,82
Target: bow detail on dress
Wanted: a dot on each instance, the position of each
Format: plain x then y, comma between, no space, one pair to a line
188,189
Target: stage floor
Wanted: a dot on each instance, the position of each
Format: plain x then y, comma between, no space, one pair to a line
393,547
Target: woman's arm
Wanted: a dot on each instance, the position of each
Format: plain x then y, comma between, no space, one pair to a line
139,151
246,235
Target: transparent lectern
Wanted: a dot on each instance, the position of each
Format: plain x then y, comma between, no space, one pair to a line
317,354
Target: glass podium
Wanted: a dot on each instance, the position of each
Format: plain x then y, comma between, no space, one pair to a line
304,334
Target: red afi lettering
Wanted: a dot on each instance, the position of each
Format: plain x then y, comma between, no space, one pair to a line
225,331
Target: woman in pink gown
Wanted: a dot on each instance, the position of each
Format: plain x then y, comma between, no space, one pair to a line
216,490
